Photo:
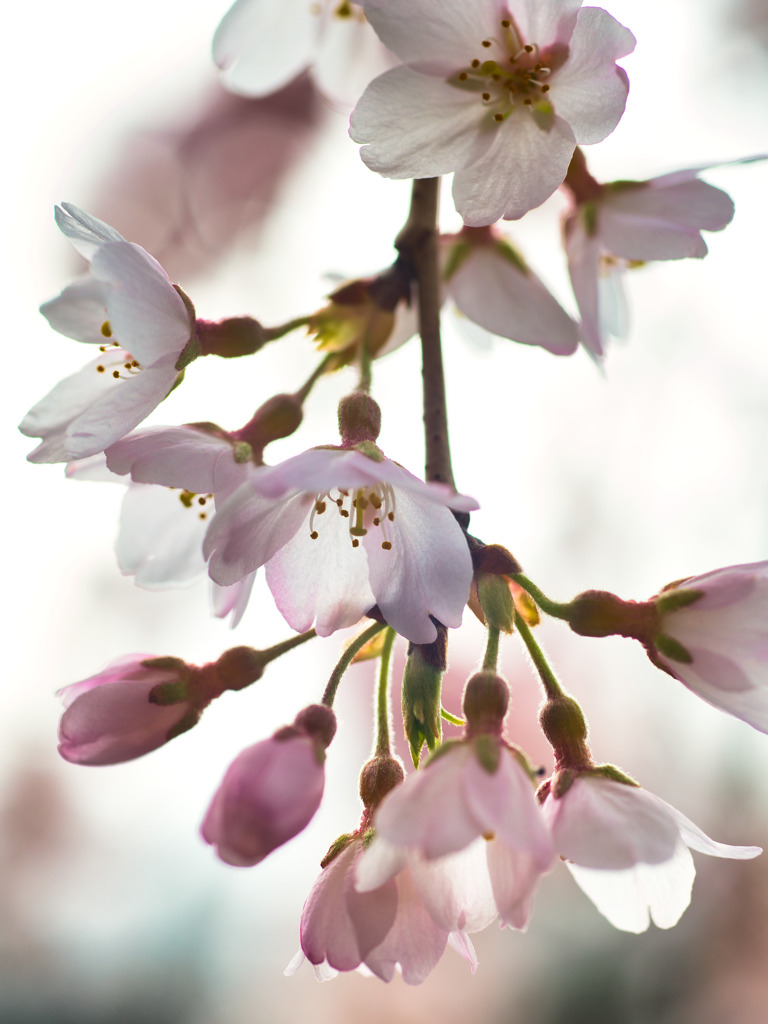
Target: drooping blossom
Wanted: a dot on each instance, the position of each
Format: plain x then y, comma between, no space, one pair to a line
456,803
340,531
382,929
713,637
271,790
493,287
109,717
177,475
144,329
262,45
625,224
629,851
498,93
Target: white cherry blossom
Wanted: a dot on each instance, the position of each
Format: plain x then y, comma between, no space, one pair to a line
498,93
127,306
629,850
340,531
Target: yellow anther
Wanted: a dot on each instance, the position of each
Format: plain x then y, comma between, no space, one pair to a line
106,329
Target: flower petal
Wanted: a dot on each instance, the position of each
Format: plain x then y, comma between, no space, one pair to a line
79,311
420,30
456,889
86,233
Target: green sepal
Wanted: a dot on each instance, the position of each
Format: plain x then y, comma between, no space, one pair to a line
488,752
457,254
371,450
672,600
610,771
672,648
511,255
337,846
589,218
453,719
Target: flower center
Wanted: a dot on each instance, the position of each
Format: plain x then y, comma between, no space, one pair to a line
117,362
509,75
191,500
366,508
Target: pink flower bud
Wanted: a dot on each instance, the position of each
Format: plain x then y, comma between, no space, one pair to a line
109,717
269,793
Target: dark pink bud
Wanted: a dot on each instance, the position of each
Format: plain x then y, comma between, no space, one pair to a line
109,717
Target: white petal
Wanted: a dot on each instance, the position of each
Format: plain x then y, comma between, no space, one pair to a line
380,862
349,56
498,296
261,45
79,311
635,237
427,571
545,21
590,91
523,167
583,252
693,204
625,897
457,889
232,599
146,313
418,126
514,875
86,233
160,541
420,30
694,838
324,580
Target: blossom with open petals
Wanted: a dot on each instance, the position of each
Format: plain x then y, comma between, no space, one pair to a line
628,223
384,928
341,531
713,637
493,286
271,790
128,307
262,45
472,820
498,92
109,717
629,850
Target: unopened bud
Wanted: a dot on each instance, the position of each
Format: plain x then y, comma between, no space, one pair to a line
319,722
495,601
421,699
378,777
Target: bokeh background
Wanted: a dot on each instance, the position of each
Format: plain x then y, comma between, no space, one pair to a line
112,909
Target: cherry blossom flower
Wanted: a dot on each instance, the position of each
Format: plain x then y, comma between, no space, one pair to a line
713,637
109,717
499,93
128,307
494,288
341,531
457,804
177,474
382,929
262,45
271,790
626,224
629,850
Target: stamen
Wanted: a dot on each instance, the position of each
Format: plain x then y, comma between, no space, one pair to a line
386,545
106,329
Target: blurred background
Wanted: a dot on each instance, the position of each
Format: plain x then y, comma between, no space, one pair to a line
112,909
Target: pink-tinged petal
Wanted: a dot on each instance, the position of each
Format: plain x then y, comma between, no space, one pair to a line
695,839
427,571
428,812
589,90
262,45
318,470
93,468
195,460
583,252
349,56
418,126
86,233
380,862
505,804
514,875
248,529
692,204
450,32
269,794
462,944
520,169
393,473
625,897
324,580
160,541
635,237
545,21
79,311
109,718
333,913
232,599
456,889
497,295
115,414
414,941
146,313
599,823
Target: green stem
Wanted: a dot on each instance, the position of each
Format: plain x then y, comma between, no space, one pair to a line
552,687
273,333
417,242
346,660
491,658
316,374
557,609
287,645
382,696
